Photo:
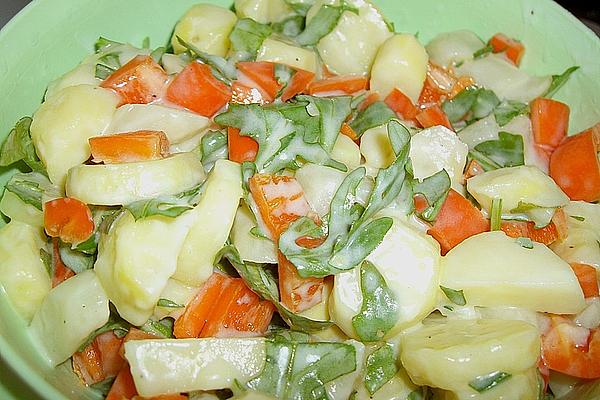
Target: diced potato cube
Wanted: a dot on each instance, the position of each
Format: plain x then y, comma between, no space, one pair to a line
250,247
17,210
263,11
453,47
284,53
83,74
375,146
346,151
319,184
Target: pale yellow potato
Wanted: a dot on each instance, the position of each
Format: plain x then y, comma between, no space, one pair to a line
214,219
346,151
450,354
68,315
397,388
523,386
116,184
263,11
184,365
172,63
495,270
62,126
207,27
250,247
453,47
83,74
401,63
17,210
283,53
22,272
319,184
178,293
376,148
581,243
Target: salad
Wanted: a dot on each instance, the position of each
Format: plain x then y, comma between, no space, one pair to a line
293,200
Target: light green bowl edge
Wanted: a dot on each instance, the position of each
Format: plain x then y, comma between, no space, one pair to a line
38,35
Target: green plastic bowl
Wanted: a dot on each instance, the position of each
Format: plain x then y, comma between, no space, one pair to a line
49,37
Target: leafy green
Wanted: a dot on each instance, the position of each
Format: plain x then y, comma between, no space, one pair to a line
380,368
558,81
168,303
485,382
162,328
157,53
496,215
374,115
435,190
578,218
107,64
300,7
19,147
291,26
222,69
246,39
525,242
167,206
261,281
99,214
32,188
77,261
47,260
102,43
509,109
455,296
212,147
115,323
146,43
379,311
299,371
487,49
322,24
472,102
506,151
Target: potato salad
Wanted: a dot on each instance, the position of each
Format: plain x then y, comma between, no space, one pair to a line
295,199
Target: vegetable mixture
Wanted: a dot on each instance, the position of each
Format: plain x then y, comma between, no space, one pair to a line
292,200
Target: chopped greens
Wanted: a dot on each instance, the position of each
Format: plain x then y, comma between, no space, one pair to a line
246,39
167,206
484,51
506,151
76,261
578,218
507,110
212,147
455,296
18,146
32,188
221,68
473,103
115,323
496,215
162,328
322,24
485,382
374,115
290,27
435,190
559,80
168,304
107,64
380,368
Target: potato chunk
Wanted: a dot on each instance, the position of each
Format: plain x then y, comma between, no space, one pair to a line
283,53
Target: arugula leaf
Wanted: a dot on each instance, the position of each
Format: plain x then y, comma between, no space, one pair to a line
376,114
455,296
146,43
379,311
115,323
496,215
487,49
507,151
380,368
290,27
77,261
485,382
222,69
102,43
168,303
246,39
168,206
32,188
299,371
47,260
107,64
507,110
262,282
162,328
18,146
435,190
485,103
322,24
300,7
474,102
558,81
212,147
577,218
525,242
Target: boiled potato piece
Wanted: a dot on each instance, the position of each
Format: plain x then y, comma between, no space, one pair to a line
68,315
137,258
250,247
207,27
581,243
283,53
409,262
376,148
116,184
352,45
179,125
449,355
178,293
532,278
263,11
495,72
62,126
17,210
214,219
435,149
173,64
319,184
183,365
22,272
83,74
346,151
400,63
449,48
524,386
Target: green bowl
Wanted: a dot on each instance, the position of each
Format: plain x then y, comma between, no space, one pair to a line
49,37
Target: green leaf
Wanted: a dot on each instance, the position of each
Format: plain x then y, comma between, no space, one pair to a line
146,43
158,53
107,64
525,242
246,39
485,382
507,151
507,110
100,214
471,102
416,394
380,368
299,371
455,296
168,304
558,81
379,311
485,103
212,147
115,323
32,188
290,27
487,49
222,69
300,7
167,206
330,112
435,190
577,218
375,115
324,21
162,328
496,215
19,147
47,260
77,261
102,43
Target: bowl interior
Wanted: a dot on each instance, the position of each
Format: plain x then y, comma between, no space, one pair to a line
49,37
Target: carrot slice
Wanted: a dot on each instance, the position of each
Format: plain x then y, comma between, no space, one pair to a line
433,116
549,122
574,165
123,387
546,235
101,359
241,148
456,221
370,99
244,94
87,365
196,89
298,84
218,313
297,293
140,81
401,105
513,48
129,147
69,219
263,74
473,169
588,279
461,84
348,131
348,84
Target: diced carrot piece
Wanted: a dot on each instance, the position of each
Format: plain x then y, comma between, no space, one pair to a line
61,272
244,94
123,387
348,131
456,221
461,84
109,345
473,169
140,81
588,279
297,293
437,86
129,147
257,319
513,48
549,122
545,235
433,116
401,105
348,84
560,223
134,334
241,148
100,359
69,219
196,89
298,84
574,165
370,99
218,313
430,95
87,365
420,203
263,74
